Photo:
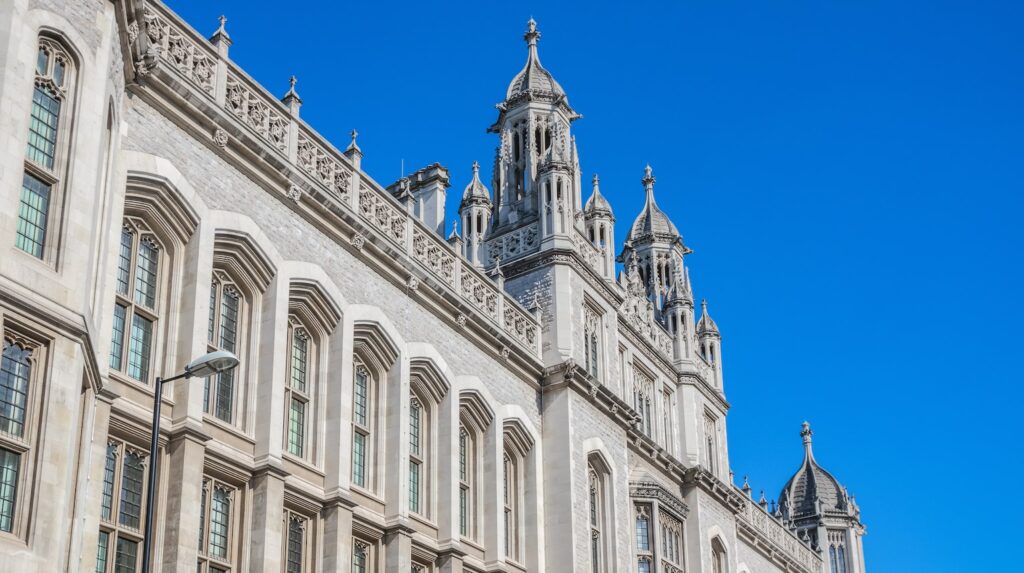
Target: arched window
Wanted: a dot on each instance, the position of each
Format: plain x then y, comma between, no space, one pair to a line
218,526
363,423
122,508
718,557
510,497
224,333
300,390
591,340
644,552
475,416
136,305
417,454
45,157
710,442
643,398
465,482
18,384
599,534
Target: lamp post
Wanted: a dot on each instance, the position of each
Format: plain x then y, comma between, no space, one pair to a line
206,365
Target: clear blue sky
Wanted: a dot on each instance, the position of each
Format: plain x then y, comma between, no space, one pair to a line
849,174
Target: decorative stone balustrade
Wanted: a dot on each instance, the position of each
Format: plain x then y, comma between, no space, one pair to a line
195,60
780,537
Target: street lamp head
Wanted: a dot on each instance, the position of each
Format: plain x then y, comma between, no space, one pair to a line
212,363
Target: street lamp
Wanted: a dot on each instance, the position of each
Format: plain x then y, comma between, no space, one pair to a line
205,365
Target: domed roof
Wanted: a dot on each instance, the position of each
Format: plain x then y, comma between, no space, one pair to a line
533,77
476,191
652,221
597,205
810,485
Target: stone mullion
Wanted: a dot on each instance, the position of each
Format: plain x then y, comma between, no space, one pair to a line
268,522
86,525
184,478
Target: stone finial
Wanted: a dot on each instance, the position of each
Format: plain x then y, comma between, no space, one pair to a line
353,152
763,502
532,35
292,99
648,179
806,434
220,37
746,488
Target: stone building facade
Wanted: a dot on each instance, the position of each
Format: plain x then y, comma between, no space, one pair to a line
498,400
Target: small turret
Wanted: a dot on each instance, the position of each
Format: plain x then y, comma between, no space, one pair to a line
710,342
818,506
600,228
475,212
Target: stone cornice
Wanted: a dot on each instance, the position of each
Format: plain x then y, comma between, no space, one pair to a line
654,490
709,392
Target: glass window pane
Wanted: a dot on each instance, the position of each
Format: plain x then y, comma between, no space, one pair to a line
33,210
213,312
117,338
110,467
42,61
462,456
414,487
15,370
220,514
102,546
126,556
295,544
124,261
42,131
358,559
139,348
225,395
359,459
296,427
463,511
414,427
360,408
228,320
9,468
132,476
145,273
58,73
299,348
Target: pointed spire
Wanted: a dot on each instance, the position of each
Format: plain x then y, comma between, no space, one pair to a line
455,230
746,488
533,77
597,204
476,192
806,434
763,502
707,325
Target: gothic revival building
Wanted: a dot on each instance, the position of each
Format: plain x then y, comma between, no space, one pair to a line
502,399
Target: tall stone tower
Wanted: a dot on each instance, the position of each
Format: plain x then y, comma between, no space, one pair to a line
536,169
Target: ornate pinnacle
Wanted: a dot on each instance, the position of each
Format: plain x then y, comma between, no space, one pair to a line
221,34
532,35
806,433
648,179
476,167
596,180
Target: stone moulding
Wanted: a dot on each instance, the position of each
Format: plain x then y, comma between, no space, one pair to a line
775,540
654,490
294,149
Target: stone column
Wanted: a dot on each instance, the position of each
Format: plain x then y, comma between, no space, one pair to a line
338,538
267,521
397,551
183,469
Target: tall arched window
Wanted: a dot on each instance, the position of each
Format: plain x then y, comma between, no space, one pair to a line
417,454
122,509
224,333
718,557
510,498
710,442
300,389
643,398
466,471
45,157
18,384
136,305
644,551
475,416
592,340
595,495
363,420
